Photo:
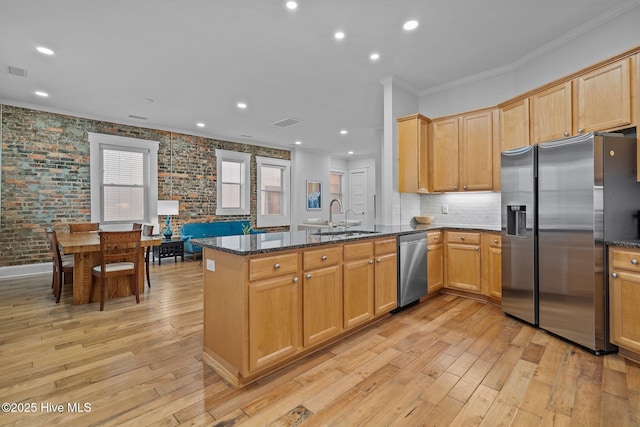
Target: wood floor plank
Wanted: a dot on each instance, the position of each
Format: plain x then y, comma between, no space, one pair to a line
446,360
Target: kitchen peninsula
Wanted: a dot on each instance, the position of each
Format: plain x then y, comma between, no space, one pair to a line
272,298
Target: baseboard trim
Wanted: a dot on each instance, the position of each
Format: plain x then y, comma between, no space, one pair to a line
17,271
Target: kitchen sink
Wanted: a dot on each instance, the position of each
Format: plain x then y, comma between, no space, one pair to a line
344,233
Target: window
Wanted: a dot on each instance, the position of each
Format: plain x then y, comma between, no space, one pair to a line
124,179
232,183
273,192
336,190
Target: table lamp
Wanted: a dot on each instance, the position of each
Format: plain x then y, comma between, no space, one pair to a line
167,208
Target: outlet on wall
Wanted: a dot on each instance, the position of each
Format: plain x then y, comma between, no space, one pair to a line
445,209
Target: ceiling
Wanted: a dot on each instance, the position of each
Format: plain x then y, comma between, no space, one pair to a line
168,64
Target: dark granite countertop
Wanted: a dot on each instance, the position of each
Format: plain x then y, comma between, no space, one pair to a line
252,244
626,243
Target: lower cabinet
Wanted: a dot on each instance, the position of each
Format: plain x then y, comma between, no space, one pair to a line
386,276
358,282
624,295
274,320
492,265
435,262
462,261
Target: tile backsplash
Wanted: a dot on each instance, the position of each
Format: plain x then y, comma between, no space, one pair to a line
482,209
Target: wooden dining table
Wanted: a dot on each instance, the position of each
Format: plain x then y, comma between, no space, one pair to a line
85,248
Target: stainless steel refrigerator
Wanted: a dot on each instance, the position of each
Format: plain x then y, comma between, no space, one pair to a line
587,194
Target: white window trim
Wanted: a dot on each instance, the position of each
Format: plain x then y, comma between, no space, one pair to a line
343,173
274,220
245,185
96,140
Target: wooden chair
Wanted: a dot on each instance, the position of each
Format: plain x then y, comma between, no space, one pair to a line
61,264
147,230
83,227
118,257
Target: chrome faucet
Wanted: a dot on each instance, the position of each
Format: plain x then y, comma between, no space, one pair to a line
331,211
346,217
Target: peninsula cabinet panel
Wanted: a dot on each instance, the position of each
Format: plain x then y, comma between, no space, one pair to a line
551,113
358,292
413,167
275,317
514,125
322,317
476,151
603,98
445,154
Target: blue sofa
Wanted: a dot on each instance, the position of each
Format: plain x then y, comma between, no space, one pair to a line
196,230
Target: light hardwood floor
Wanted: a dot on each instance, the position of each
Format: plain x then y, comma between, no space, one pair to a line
448,361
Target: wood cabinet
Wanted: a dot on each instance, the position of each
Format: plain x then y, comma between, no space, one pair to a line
385,276
464,150
492,265
624,294
462,261
435,262
514,125
358,283
321,295
413,166
551,113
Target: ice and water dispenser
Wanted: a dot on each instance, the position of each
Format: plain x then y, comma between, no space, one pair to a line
517,220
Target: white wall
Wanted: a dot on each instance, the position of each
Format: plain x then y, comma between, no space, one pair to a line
308,165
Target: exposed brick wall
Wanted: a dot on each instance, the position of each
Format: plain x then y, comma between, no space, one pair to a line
45,176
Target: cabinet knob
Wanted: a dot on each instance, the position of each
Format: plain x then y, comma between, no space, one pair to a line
495,240
580,130
379,259
614,275
477,248
461,237
634,261
429,249
566,134
276,266
370,261
308,276
296,280
324,258
455,187
436,238
464,187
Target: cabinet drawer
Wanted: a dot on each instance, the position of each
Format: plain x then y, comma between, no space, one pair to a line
434,237
358,250
463,237
495,240
320,257
626,259
385,247
272,266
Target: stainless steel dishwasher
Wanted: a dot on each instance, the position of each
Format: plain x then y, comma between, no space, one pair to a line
412,268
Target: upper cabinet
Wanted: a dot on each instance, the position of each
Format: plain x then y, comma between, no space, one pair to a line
413,136
514,125
551,113
464,150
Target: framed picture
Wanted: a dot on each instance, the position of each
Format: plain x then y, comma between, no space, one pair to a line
314,195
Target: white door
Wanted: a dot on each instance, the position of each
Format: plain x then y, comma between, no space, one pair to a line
359,195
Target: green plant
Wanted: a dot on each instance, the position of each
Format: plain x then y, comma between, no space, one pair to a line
246,229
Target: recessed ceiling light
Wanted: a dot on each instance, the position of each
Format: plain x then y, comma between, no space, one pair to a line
241,105
149,100
298,142
374,56
350,152
200,124
44,50
410,25
42,94
339,35
292,5
343,132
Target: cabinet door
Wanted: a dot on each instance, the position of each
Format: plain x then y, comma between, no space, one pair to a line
624,315
386,283
463,267
444,155
322,317
274,320
604,98
476,151
412,154
434,268
495,272
551,113
358,292
514,125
